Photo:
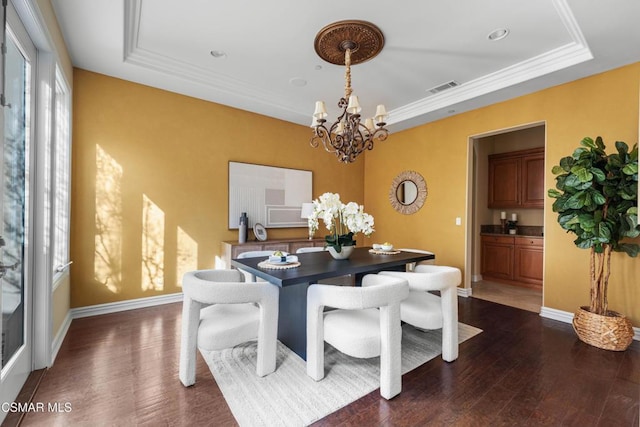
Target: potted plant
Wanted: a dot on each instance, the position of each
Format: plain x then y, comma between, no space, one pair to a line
597,200
343,221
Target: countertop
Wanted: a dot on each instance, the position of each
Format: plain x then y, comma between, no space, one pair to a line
539,236
521,231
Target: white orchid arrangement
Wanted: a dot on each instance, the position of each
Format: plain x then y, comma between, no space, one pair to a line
342,220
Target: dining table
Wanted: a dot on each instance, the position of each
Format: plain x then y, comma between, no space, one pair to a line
315,266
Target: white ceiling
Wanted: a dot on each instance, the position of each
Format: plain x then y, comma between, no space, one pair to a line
269,44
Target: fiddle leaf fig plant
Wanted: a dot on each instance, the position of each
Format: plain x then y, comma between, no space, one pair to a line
597,199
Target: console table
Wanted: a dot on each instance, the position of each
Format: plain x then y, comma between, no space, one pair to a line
231,249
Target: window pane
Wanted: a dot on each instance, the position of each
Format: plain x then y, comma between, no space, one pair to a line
61,178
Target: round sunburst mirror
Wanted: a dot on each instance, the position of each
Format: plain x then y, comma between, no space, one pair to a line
408,192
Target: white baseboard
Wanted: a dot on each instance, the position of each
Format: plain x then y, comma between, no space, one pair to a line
57,340
464,292
132,304
566,317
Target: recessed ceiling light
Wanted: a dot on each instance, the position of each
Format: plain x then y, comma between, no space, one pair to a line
498,34
297,82
318,67
218,54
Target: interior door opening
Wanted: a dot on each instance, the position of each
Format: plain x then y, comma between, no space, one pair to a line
505,250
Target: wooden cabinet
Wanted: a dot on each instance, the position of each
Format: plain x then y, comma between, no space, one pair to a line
231,249
497,257
516,179
512,259
528,256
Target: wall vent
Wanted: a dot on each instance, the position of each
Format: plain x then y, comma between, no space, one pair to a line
445,86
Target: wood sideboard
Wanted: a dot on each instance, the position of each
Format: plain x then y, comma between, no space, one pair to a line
231,249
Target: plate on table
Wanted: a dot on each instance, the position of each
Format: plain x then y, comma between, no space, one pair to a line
284,260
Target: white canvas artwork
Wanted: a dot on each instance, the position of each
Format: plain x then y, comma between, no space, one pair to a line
271,196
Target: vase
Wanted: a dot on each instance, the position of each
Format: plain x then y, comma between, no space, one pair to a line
608,332
345,253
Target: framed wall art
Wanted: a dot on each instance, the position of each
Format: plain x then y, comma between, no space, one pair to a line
271,196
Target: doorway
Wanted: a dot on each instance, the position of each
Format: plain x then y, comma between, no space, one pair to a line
484,220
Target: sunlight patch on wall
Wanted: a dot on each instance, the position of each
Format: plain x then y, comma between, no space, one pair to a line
187,257
152,246
108,238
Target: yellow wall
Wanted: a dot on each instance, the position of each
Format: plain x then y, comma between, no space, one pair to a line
173,151
605,104
164,157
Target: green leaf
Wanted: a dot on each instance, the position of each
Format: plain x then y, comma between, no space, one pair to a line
630,249
622,148
598,198
574,182
566,163
598,174
558,170
554,193
630,168
586,221
604,232
579,152
588,142
582,173
576,201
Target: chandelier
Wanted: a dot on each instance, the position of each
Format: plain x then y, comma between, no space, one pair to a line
348,42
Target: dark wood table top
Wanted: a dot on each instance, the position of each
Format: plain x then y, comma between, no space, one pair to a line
315,266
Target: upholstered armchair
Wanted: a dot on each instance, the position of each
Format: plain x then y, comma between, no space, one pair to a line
358,328
248,277
219,311
412,265
424,310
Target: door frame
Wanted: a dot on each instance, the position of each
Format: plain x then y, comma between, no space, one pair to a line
472,228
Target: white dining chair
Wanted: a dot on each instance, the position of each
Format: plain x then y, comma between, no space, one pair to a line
365,324
310,249
425,310
412,265
248,277
220,310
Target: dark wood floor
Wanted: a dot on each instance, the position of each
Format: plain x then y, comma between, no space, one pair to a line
122,370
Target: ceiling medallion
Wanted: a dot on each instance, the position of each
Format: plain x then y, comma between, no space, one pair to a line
348,42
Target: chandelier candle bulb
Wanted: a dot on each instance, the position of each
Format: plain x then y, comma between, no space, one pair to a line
368,123
381,113
354,105
320,112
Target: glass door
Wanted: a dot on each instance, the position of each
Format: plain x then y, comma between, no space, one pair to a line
16,205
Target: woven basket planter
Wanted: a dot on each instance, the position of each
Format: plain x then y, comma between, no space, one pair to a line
611,332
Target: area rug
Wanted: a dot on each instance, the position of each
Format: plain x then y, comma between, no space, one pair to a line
288,397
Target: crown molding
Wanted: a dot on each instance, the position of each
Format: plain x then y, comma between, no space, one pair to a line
133,54
573,53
